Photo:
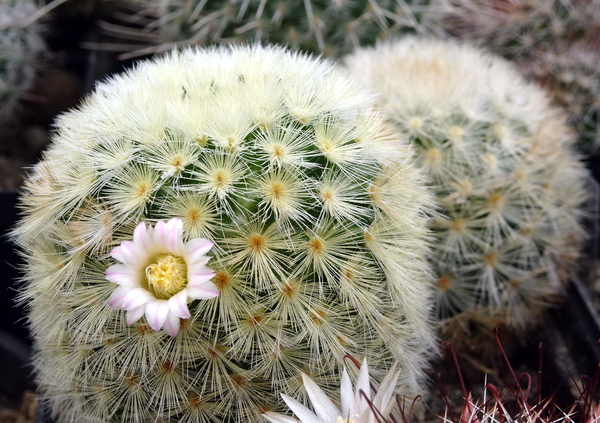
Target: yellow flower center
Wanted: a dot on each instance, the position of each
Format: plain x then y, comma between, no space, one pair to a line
166,276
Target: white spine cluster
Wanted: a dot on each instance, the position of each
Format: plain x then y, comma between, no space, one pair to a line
316,209
499,159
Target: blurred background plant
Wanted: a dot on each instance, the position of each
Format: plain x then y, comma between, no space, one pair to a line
331,28
20,45
500,160
553,42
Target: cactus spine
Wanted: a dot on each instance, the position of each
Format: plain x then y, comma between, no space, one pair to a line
316,209
499,159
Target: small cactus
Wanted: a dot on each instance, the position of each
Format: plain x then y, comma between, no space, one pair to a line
20,45
317,213
328,27
500,162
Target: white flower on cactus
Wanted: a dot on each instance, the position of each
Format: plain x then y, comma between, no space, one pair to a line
158,274
355,406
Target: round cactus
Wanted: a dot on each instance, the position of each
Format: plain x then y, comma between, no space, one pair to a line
318,26
316,210
499,159
20,44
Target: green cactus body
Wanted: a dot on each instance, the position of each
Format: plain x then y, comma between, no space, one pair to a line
316,209
328,27
498,156
20,44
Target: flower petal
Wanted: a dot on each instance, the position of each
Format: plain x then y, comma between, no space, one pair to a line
178,305
386,390
169,235
347,396
159,235
142,236
126,253
172,324
122,275
135,314
116,298
196,248
156,313
302,412
174,238
204,291
198,275
117,254
201,262
278,418
323,406
363,384
135,298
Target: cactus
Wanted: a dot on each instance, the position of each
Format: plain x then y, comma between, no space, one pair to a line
317,213
328,27
499,159
20,44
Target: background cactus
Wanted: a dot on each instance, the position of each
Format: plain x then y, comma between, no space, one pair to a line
499,159
518,28
20,44
572,75
554,42
328,27
316,209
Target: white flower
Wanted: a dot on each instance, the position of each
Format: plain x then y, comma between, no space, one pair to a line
355,407
159,274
